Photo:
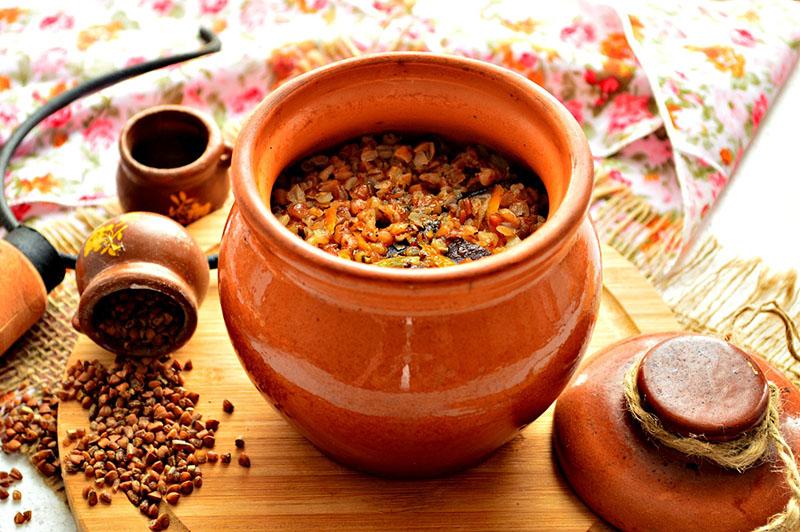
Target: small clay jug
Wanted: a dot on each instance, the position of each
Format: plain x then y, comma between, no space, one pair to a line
174,162
696,386
141,278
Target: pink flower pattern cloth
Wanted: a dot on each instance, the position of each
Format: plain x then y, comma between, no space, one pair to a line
669,94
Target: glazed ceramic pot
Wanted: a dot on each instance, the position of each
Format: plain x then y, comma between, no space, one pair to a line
402,372
695,385
144,261
172,162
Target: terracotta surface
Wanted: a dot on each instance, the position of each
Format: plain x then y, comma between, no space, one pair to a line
703,386
410,372
172,162
637,485
24,295
141,250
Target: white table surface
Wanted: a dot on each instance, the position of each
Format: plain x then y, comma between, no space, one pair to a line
50,511
758,215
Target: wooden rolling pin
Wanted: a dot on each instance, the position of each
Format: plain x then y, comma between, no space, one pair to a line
29,268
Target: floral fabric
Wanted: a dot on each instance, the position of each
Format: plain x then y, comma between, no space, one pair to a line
669,94
715,68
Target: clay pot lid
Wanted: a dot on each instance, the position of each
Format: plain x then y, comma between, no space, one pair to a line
703,386
697,384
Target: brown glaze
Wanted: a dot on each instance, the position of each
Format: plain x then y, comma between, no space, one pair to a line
24,295
141,250
410,372
172,162
703,386
638,485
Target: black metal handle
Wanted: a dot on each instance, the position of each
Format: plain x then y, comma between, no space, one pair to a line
212,44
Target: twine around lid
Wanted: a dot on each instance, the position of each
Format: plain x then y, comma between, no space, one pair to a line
743,452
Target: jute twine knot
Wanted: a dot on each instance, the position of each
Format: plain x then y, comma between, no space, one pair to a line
741,453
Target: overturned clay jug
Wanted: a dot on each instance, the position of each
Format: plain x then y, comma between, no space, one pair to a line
174,162
681,432
410,372
141,278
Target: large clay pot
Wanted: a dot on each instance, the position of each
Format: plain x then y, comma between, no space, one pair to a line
410,372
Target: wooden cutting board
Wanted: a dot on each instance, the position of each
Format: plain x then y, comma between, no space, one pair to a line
293,486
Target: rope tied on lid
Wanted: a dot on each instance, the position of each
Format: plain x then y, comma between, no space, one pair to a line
740,453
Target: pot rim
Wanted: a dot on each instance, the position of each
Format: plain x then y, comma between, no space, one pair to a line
177,175
538,247
137,275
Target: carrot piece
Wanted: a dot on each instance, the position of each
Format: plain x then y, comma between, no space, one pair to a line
330,218
494,201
